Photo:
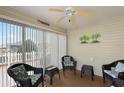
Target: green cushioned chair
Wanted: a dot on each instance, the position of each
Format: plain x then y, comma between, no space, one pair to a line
19,73
68,63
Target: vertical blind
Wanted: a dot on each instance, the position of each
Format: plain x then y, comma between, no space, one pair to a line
61,48
10,41
55,49
51,49
34,46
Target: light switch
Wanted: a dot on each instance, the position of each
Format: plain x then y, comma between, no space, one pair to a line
91,59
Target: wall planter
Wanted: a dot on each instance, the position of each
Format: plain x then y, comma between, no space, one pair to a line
84,39
83,42
93,38
95,42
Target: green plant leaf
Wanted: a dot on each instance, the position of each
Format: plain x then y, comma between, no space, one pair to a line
84,38
95,36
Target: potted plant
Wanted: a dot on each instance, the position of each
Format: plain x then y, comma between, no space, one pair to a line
84,39
95,37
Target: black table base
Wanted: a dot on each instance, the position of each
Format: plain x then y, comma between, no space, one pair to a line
87,69
51,72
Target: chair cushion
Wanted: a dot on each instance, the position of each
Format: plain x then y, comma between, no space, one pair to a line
34,78
20,71
67,61
119,67
109,72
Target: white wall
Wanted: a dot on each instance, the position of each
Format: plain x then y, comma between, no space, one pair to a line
110,48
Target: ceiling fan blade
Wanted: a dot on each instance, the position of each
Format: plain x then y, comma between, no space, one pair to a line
56,10
73,21
85,14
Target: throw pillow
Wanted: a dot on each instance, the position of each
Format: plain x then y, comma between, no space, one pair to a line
67,61
119,67
20,71
113,71
67,58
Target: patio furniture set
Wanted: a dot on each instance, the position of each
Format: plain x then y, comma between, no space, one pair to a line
113,72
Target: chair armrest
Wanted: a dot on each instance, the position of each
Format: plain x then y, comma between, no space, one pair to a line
121,75
38,71
24,82
35,69
106,67
62,63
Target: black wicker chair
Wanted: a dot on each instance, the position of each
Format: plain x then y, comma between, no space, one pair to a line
28,81
69,67
108,67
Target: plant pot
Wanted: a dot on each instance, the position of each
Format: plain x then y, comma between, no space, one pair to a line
95,41
84,42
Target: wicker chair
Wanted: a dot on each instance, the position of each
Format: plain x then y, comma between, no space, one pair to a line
71,64
108,67
19,73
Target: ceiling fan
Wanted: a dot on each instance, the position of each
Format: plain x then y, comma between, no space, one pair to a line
71,13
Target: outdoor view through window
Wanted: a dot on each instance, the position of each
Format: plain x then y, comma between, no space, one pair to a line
22,43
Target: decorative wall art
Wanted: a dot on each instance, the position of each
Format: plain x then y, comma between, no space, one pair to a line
93,38
84,39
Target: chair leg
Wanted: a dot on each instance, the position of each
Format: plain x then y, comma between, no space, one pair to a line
92,74
92,77
74,71
103,79
51,80
63,72
42,82
81,74
58,74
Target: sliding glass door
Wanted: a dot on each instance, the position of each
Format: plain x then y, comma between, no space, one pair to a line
21,43
55,49
18,44
51,49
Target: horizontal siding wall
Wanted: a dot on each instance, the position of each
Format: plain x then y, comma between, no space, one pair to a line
110,48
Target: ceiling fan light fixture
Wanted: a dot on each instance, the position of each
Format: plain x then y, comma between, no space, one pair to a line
69,11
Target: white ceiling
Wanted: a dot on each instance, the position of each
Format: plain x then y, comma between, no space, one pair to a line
42,13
